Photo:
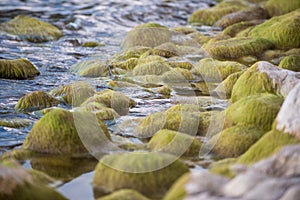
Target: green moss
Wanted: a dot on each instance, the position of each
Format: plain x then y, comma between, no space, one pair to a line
206,88
234,141
145,174
151,68
283,31
222,167
121,84
291,62
116,100
17,69
216,71
91,68
164,90
186,108
15,122
179,64
234,29
257,110
175,143
31,29
224,89
133,52
183,30
148,35
280,7
91,44
124,194
178,191
178,75
74,93
270,143
127,64
166,50
101,110
235,48
145,58
56,133
36,100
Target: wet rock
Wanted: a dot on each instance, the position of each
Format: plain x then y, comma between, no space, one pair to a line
179,64
263,77
148,35
91,68
100,110
236,28
36,100
280,7
128,64
56,133
151,174
151,68
31,29
175,143
223,167
133,52
166,50
183,30
206,88
15,122
124,194
177,75
291,63
17,69
236,48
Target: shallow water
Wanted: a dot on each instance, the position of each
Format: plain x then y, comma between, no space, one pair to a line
106,22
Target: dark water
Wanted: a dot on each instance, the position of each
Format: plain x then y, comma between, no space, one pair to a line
105,22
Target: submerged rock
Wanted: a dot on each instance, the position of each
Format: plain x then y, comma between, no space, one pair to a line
17,69
151,174
291,63
31,29
280,7
36,100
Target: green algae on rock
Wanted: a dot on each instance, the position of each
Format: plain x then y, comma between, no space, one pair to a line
91,68
15,122
280,7
124,194
175,143
235,48
234,29
223,167
151,174
17,69
177,191
177,75
166,50
151,68
147,35
36,100
291,63
31,29
56,133
181,64
74,93
128,64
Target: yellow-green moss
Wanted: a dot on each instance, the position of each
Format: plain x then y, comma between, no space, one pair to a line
222,167
166,50
74,93
178,75
216,71
291,62
148,35
280,7
17,69
235,48
206,88
133,52
124,194
283,31
270,143
175,143
91,68
178,191
31,29
36,100
15,122
164,90
151,68
145,58
152,181
179,64
234,29
91,44
56,133
127,64
183,30
186,108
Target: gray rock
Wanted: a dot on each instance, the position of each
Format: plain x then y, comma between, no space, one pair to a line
291,193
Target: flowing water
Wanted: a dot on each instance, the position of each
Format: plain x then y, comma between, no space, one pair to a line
105,22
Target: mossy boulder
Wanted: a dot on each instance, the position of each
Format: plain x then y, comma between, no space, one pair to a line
166,50
175,143
263,77
282,31
223,167
15,122
19,183
216,71
234,29
147,58
36,100
74,93
115,100
280,7
291,63
252,13
147,35
128,64
151,174
178,191
31,29
205,88
235,48
91,68
124,194
102,111
18,69
181,64
56,133
178,75
132,52
208,16
151,68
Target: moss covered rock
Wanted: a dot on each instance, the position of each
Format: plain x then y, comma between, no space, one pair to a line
124,194
291,63
234,29
74,93
263,77
151,68
56,133
223,167
282,31
216,71
132,52
128,64
15,122
145,172
31,29
177,191
17,69
208,16
148,35
237,47
166,50
36,100
91,68
178,75
181,64
175,143
280,7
